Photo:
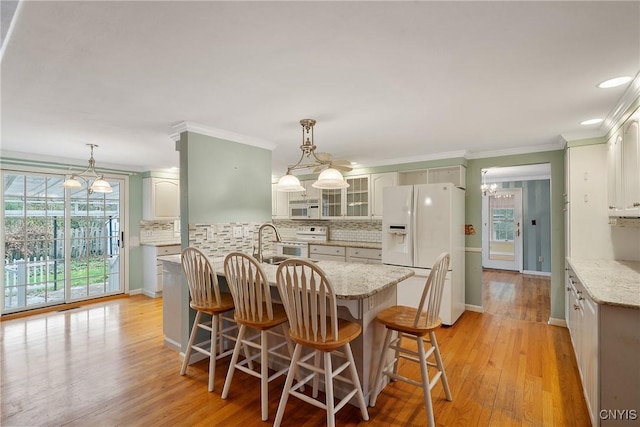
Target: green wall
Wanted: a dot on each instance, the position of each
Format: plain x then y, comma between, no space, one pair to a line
221,181
474,216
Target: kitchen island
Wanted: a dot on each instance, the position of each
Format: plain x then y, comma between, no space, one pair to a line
362,291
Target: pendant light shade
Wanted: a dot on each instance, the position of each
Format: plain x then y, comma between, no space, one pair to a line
72,183
289,183
330,179
101,186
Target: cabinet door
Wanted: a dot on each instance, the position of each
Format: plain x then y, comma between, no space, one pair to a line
161,199
279,203
331,203
378,182
614,174
357,197
631,167
310,191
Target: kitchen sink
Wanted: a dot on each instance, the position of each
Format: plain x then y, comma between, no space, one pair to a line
274,260
277,259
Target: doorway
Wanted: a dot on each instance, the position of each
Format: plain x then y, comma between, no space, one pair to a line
59,245
516,219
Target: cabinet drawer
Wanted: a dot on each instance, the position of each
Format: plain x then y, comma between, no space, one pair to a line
373,254
327,250
169,250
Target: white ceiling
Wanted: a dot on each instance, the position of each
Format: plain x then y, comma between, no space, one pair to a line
386,81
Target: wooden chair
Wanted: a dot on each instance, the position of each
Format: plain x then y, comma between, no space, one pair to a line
254,309
206,298
414,324
310,304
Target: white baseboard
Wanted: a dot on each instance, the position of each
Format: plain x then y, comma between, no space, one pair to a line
557,322
135,292
152,294
476,308
536,273
173,345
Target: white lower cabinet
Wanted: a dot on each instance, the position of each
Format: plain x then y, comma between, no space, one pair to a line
364,255
327,253
606,343
152,268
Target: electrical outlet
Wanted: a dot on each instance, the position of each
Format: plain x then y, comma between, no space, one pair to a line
211,234
237,231
246,231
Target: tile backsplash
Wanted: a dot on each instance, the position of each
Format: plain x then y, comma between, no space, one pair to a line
217,240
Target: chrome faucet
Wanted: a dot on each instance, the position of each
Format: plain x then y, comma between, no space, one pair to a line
262,227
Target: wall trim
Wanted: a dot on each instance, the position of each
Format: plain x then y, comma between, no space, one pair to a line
537,273
476,308
557,322
559,145
617,114
417,159
135,291
185,126
469,249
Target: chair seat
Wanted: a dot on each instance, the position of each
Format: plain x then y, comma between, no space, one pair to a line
279,317
402,319
226,304
347,332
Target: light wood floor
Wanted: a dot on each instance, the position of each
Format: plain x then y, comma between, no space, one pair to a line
104,364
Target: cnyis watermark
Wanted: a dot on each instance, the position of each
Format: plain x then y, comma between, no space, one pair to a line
619,414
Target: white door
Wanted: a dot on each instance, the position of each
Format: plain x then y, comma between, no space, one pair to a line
502,230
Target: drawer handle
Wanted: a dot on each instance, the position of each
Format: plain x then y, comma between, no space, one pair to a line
576,307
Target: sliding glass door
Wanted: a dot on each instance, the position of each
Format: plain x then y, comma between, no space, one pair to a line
59,245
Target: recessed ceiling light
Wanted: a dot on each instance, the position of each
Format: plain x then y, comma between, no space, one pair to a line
618,81
591,122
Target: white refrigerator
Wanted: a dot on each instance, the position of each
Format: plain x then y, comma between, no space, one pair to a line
419,222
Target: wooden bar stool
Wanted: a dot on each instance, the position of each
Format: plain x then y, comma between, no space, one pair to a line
206,298
414,324
254,309
310,304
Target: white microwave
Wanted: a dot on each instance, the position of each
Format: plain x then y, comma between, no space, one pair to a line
304,209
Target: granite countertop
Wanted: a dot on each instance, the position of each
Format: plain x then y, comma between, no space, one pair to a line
609,282
350,244
162,243
349,280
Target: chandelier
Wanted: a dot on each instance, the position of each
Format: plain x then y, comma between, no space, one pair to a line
95,182
330,176
487,189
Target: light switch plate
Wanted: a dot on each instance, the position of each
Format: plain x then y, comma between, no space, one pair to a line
246,231
237,231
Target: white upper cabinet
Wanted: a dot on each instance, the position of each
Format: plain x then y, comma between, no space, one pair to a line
631,167
378,182
161,199
352,202
279,203
457,175
623,170
614,174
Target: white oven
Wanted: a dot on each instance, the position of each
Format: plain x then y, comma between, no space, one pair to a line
300,245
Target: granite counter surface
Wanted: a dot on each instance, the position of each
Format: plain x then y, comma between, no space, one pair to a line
609,282
349,280
162,243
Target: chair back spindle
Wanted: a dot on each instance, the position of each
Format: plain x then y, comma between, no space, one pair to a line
249,287
202,280
428,316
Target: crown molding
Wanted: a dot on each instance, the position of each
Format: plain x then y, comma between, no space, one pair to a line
187,126
618,114
416,159
520,150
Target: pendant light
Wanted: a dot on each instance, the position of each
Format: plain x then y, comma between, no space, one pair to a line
96,183
330,176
